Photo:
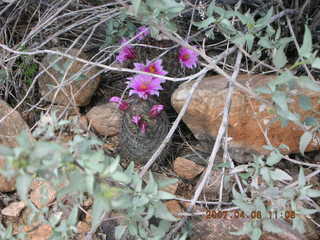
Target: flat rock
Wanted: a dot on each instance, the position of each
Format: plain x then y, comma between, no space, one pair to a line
11,126
13,209
186,168
42,193
43,232
77,88
248,117
105,119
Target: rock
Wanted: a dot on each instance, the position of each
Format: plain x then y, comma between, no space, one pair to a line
42,193
219,228
174,207
13,209
77,89
186,168
247,115
43,232
11,126
83,227
6,185
105,119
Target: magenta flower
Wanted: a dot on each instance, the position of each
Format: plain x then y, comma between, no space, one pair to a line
122,104
126,52
137,120
144,86
142,32
151,67
143,126
156,110
188,58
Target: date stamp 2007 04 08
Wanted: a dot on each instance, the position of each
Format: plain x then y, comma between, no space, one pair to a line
234,214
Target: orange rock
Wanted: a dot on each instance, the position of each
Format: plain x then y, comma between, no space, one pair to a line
248,117
173,207
105,119
186,168
77,88
42,194
6,185
41,233
11,126
13,209
83,227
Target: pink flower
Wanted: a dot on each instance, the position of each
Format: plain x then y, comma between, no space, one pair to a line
122,104
151,67
143,31
126,52
137,120
143,126
156,110
188,58
144,86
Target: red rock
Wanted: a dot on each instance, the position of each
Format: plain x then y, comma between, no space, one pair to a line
247,115
186,168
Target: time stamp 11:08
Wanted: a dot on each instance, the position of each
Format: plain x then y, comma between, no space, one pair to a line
218,214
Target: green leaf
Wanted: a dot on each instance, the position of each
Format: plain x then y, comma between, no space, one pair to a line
265,43
23,183
121,177
279,58
301,178
99,208
265,173
305,82
151,187
281,99
313,193
306,48
162,212
280,175
264,21
204,23
256,234
316,63
305,102
269,226
274,158
305,140
249,40
119,231
162,195
306,211
73,217
210,8
136,6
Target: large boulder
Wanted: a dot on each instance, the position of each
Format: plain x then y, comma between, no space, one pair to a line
78,85
249,118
